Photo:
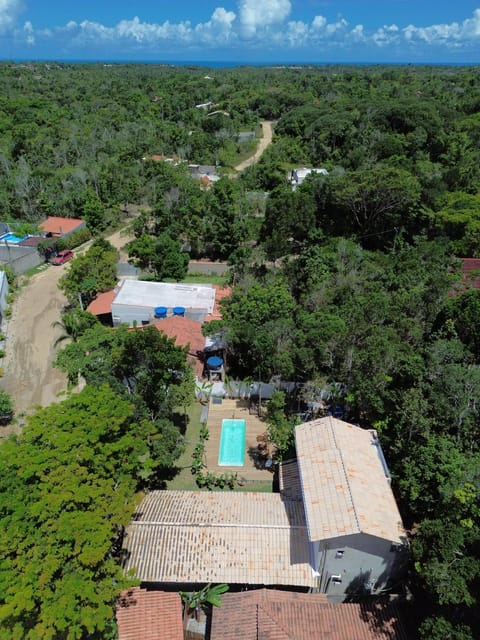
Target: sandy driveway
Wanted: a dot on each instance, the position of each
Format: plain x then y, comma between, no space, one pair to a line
29,376
262,145
28,373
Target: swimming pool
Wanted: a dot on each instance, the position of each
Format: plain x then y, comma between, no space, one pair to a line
12,238
232,443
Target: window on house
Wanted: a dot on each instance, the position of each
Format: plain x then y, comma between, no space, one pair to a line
339,554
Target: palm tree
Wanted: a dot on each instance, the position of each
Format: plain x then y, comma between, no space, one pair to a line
73,324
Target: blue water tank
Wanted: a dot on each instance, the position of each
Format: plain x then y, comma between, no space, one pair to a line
178,311
160,312
214,362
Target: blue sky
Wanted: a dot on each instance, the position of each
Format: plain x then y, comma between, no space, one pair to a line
242,30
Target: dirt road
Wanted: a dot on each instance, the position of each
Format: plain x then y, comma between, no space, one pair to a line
262,145
28,373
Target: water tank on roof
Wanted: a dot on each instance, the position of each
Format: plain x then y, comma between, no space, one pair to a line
160,312
214,363
178,311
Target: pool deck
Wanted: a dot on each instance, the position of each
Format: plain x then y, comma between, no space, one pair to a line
237,409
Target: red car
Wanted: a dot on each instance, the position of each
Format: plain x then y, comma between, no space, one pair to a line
62,256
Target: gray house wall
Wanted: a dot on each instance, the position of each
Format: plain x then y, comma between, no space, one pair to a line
18,258
359,563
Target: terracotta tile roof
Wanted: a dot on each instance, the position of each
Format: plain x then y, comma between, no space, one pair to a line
196,536
471,272
102,303
344,483
267,614
220,293
149,615
184,331
60,226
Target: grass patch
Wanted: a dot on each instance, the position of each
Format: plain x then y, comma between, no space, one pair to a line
202,278
184,480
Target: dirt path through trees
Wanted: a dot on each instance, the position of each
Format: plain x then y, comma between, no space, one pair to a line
29,375
262,145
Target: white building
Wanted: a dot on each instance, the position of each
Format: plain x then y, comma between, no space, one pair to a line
136,301
297,176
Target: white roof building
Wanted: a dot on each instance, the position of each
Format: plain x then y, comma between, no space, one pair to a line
136,300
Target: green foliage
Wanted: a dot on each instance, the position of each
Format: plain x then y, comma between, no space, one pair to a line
90,273
6,407
206,479
208,595
280,428
163,256
62,514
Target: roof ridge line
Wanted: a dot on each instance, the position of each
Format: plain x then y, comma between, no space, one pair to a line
345,475
221,525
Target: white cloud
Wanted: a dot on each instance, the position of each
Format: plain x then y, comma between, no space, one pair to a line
255,15
453,35
256,25
9,10
387,35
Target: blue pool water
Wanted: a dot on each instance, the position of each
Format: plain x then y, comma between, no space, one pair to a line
232,443
12,238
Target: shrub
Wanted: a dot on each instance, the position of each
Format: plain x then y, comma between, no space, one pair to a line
6,407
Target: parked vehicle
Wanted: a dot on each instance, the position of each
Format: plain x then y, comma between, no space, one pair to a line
62,256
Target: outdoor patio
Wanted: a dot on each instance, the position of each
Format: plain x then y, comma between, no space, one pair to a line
253,469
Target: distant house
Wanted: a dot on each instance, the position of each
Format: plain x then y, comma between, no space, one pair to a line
149,615
267,614
334,526
245,136
297,176
204,172
471,273
57,227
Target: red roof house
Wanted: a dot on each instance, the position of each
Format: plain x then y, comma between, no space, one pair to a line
471,272
102,303
149,615
61,227
267,614
185,332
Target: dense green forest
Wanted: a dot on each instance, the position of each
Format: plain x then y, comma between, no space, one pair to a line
353,279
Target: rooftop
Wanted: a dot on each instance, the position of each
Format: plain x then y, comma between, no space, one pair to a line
471,272
344,481
149,615
184,331
60,226
165,294
220,294
102,303
197,536
265,614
